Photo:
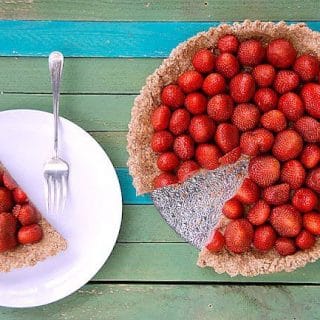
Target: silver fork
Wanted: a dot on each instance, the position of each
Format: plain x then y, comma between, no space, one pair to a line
56,170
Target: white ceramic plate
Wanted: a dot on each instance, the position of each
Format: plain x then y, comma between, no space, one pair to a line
93,211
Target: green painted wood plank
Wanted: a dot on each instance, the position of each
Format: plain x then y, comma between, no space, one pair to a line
194,302
160,10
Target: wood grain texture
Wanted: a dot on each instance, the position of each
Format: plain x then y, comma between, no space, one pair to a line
188,10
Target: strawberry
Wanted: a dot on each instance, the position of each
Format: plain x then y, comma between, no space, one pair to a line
228,43
6,200
172,96
304,200
8,241
266,99
280,53
307,67
242,87
186,170
248,193
277,194
245,116
291,105
311,221
19,195
309,129
207,156
238,235
8,181
204,60
30,234
313,180
310,94
190,81
287,145
164,179
167,161
196,103
251,52
249,144
26,214
293,173
216,241
264,139
179,121
264,238
264,170
227,65
183,147
274,120
285,246
310,155
285,81
305,240
201,128
230,157
233,209
161,141
286,220
220,107
160,118
264,75
8,223
213,84
227,137
259,213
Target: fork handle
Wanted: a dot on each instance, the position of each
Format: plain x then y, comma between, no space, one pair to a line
55,67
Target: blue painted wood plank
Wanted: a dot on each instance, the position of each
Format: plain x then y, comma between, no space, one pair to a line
98,39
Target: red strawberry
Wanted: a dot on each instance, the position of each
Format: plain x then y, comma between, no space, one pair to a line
249,144
242,87
227,137
179,121
231,156
313,180
291,105
183,147
251,52
201,128
285,81
277,194
8,181
311,221
227,65
160,118
287,220
8,241
228,43
19,195
167,161
264,238
305,240
285,246
293,173
281,53
248,193
172,96
164,179
190,81
304,200
213,84
220,107
216,241
264,139
245,116
30,234
309,129
259,213
8,223
207,156
274,120
307,67
310,94
266,99
233,209
264,75
238,235
203,61
161,141
287,145
186,170
6,200
196,103
310,155
26,214
264,170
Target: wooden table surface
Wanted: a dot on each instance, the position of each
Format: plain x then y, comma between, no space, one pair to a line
111,47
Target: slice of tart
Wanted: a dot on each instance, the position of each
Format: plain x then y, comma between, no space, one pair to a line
26,237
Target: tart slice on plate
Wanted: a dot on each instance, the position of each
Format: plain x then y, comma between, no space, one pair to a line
25,236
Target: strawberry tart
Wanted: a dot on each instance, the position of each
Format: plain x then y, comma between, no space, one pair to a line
250,90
